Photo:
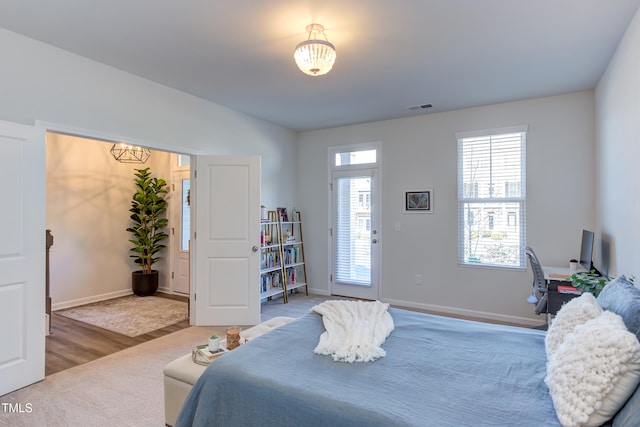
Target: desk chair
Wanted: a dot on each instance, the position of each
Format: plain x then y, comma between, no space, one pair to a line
540,296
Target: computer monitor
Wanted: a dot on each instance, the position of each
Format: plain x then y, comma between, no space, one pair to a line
586,250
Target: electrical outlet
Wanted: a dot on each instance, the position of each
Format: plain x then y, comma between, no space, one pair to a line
418,279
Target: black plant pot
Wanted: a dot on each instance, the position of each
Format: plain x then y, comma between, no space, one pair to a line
144,285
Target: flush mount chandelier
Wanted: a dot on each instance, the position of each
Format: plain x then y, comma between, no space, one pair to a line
315,56
127,153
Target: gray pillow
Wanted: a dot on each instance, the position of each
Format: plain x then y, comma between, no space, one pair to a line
623,298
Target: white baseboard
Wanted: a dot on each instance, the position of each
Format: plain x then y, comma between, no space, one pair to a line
483,315
525,321
318,291
503,318
89,300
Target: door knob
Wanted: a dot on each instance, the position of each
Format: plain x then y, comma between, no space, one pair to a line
254,249
374,241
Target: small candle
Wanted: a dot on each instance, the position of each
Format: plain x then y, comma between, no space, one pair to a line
233,337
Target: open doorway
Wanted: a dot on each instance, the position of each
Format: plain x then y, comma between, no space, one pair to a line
88,200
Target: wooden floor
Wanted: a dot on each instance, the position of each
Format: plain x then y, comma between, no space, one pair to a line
73,343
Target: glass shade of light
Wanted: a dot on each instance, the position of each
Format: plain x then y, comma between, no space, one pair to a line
126,153
315,57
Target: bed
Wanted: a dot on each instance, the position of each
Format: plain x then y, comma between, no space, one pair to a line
437,371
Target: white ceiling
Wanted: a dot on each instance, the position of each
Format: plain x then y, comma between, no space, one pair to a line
391,54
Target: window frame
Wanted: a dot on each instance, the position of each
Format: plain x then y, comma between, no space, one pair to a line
491,202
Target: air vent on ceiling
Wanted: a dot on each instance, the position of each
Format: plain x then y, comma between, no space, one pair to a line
420,107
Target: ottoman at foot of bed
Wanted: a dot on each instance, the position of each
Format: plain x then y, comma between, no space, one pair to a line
181,374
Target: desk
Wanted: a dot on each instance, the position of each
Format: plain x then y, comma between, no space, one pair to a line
555,276
560,273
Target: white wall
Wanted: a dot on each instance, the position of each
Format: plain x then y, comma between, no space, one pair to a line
44,83
39,82
618,156
88,201
421,152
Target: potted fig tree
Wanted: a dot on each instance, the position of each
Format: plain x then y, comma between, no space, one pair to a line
148,208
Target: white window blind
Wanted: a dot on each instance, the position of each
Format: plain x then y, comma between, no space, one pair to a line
491,197
353,228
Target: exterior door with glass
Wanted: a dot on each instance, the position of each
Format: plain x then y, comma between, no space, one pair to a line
181,232
354,233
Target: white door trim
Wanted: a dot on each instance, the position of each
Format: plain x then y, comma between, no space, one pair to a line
110,137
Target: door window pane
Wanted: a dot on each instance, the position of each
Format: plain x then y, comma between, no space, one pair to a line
186,214
353,229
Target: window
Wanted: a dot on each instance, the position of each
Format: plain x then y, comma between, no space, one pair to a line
184,160
365,200
359,157
491,197
470,189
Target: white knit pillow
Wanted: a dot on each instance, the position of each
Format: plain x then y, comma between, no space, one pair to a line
594,371
573,313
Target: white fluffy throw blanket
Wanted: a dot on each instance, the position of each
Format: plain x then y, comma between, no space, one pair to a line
354,330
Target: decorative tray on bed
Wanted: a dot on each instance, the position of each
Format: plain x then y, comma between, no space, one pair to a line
202,356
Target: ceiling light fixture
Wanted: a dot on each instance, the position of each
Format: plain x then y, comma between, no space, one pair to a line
127,153
313,56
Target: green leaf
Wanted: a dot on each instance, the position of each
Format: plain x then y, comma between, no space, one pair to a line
148,208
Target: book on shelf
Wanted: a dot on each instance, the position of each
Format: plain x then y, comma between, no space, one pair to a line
568,289
291,255
282,213
269,259
270,280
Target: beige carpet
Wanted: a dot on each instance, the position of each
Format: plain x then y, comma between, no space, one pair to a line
131,315
125,388
122,389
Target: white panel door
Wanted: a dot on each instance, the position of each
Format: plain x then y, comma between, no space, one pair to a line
22,256
227,237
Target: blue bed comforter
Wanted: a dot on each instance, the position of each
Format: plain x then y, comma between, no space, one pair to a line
438,372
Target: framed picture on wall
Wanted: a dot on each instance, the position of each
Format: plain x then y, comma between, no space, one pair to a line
418,201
